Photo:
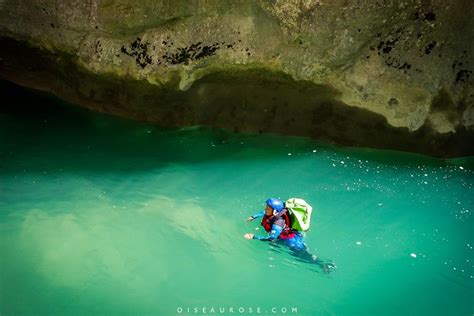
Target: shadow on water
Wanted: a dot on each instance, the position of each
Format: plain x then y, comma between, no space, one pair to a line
37,123
301,259
40,124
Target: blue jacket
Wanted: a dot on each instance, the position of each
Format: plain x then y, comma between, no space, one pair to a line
295,243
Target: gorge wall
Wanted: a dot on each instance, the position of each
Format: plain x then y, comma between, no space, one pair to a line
385,74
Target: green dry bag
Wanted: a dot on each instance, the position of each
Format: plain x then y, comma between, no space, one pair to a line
300,213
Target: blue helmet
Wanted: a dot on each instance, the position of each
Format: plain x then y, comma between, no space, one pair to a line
275,204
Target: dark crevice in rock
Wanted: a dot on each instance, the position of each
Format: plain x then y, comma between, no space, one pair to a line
424,16
387,49
183,55
462,76
461,70
393,102
430,47
138,50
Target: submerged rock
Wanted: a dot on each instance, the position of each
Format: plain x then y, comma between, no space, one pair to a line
392,75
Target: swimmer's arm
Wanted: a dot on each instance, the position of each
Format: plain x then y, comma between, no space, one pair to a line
259,214
274,233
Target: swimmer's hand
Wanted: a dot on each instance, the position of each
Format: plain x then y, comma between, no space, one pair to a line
328,267
248,236
250,219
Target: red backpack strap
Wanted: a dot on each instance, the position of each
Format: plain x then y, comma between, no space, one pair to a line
287,232
267,222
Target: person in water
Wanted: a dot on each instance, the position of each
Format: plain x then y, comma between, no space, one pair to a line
277,224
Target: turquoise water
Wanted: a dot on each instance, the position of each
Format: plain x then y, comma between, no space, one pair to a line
100,215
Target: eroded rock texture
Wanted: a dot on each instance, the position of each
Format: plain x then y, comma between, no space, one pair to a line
388,74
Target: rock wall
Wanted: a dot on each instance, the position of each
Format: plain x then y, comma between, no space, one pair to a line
388,74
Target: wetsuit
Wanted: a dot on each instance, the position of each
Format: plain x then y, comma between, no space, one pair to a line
295,242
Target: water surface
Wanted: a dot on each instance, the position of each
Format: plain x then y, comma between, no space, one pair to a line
102,215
